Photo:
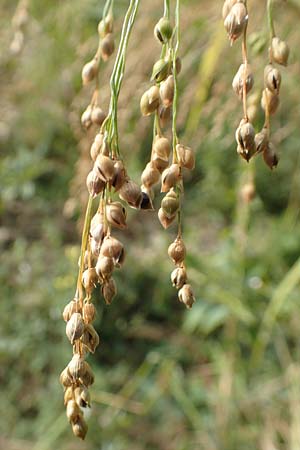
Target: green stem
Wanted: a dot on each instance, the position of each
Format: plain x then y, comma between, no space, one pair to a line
174,55
167,8
270,18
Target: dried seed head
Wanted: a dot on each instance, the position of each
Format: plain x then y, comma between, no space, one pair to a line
186,296
270,156
131,193
107,46
163,30
86,117
177,251
245,137
149,101
105,167
150,175
72,307
76,367
73,411
75,327
88,312
185,156
98,229
87,378
165,115
238,81
270,100
82,396
272,78
113,248
90,338
65,378
94,183
179,277
167,91
280,51
248,192
80,428
96,146
109,290
89,280
164,220
105,266
170,177
236,21
120,175
160,70
262,140
116,214
170,204
89,71
97,116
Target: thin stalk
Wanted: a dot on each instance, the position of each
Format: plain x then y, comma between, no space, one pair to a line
270,18
167,8
175,99
245,62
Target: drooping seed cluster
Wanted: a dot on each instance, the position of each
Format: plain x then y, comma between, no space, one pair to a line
167,160
101,252
249,144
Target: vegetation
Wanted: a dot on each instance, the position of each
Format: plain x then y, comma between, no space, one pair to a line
220,376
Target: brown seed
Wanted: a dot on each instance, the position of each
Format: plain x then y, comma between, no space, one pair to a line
238,81
170,204
105,266
109,290
272,78
89,280
88,377
75,327
90,338
73,411
164,220
116,214
119,175
76,367
89,71
98,228
86,117
96,146
245,137
68,395
71,308
113,248
98,116
262,140
82,396
131,193
105,167
186,296
150,175
280,51
65,378
167,91
236,21
107,46
94,183
150,101
270,100
88,312
228,4
105,26
185,156
270,156
79,428
170,177
177,251
179,277
161,146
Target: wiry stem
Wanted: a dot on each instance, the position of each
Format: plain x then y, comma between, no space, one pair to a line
245,62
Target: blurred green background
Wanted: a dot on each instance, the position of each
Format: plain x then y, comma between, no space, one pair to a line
223,376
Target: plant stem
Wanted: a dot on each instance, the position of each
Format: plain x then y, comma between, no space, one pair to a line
270,18
175,99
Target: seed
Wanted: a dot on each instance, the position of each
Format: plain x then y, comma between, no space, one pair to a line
72,307
167,91
105,167
131,193
270,156
236,21
87,377
116,214
177,251
105,26
262,140
245,137
72,411
82,396
94,184
105,266
170,177
89,71
280,51
75,327
98,228
89,280
272,78
150,101
96,146
179,277
80,428
163,30
148,195
170,204
109,290
119,176
76,367
160,70
86,118
107,46
90,338
113,248
270,100
186,296
185,156
164,220
164,115
238,81
88,312
65,378
98,116
150,175
228,4
68,395
248,192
